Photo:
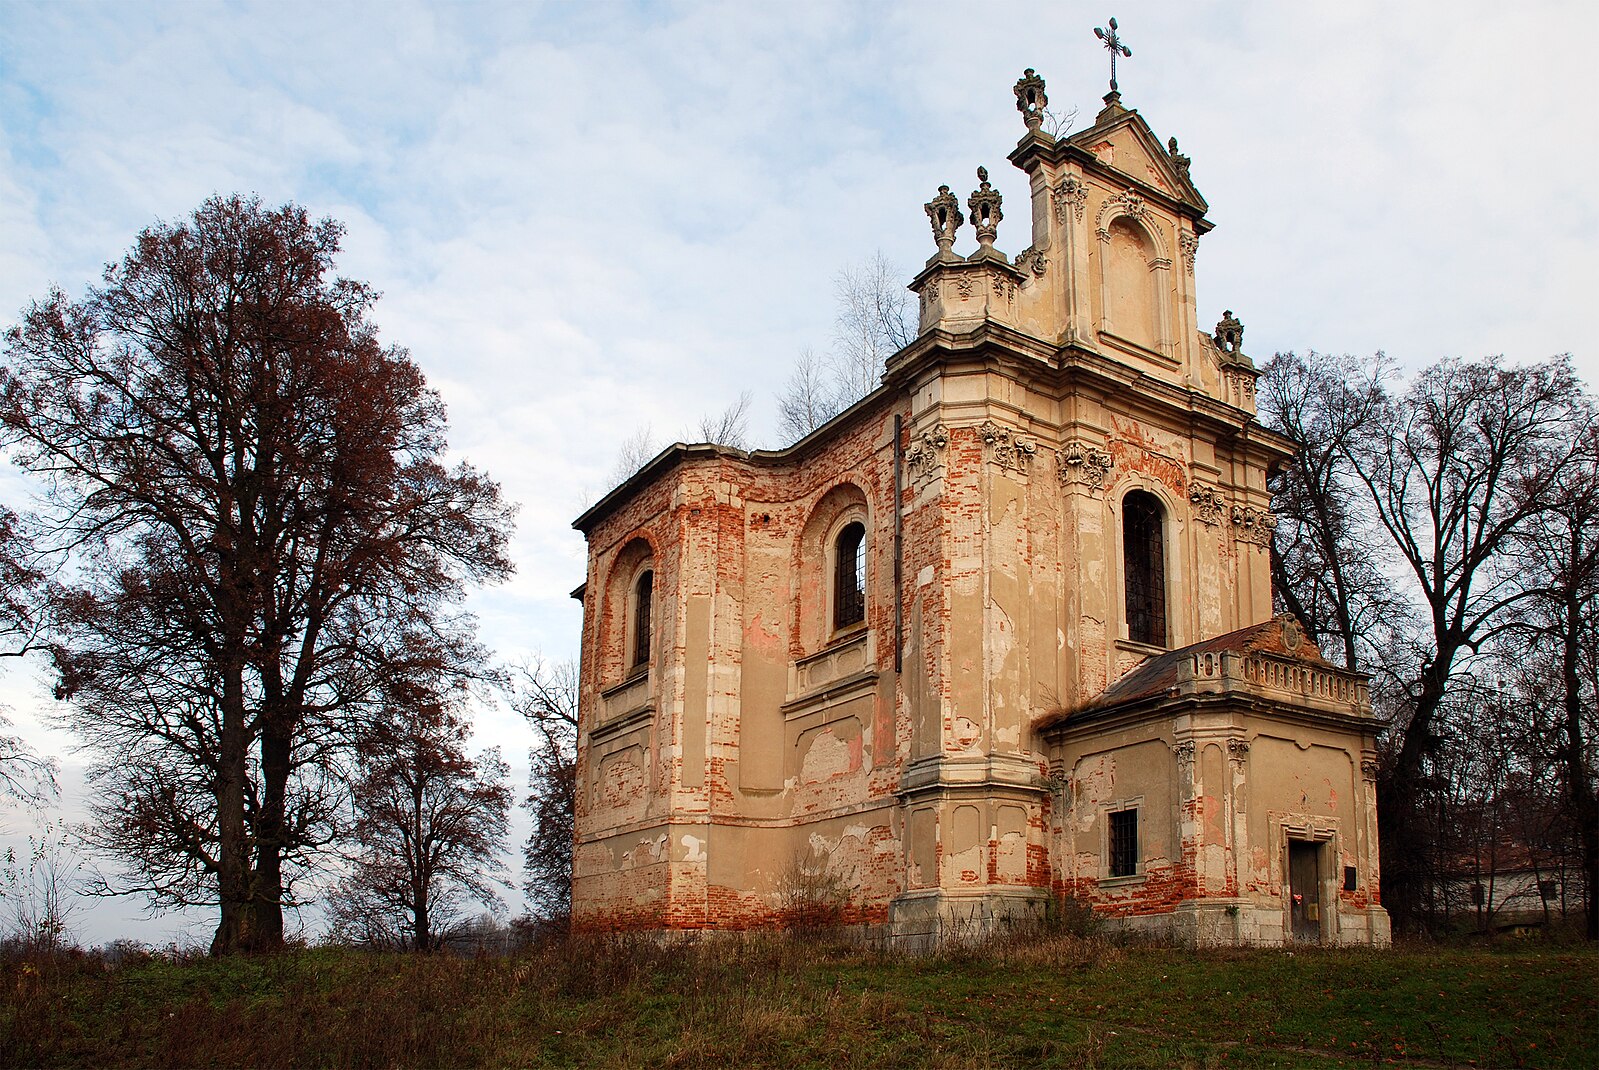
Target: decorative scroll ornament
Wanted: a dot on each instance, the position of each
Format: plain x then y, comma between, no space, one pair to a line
1184,752
1178,160
1030,98
1229,334
1190,247
1209,507
1032,259
1007,449
1127,202
1253,525
963,285
1240,387
984,204
1238,749
944,213
1368,769
1293,634
1077,463
927,451
1070,194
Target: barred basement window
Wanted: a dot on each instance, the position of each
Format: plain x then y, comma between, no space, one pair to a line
643,608
1144,563
1123,842
849,582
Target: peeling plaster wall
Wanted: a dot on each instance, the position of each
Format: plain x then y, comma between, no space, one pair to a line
765,756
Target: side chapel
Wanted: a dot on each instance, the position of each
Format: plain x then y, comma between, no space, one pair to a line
999,634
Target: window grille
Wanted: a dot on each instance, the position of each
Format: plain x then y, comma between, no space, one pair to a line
1123,843
643,607
1144,557
849,584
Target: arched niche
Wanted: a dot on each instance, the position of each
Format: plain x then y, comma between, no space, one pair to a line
1135,279
838,516
630,626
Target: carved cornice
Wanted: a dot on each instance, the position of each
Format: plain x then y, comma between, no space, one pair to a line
1070,194
1209,507
1077,462
1252,525
1032,260
1006,448
1190,248
1127,202
927,452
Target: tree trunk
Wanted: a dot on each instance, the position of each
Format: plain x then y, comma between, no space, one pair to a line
236,925
1404,845
1584,805
271,836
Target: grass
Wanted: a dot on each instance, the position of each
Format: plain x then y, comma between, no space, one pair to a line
771,1001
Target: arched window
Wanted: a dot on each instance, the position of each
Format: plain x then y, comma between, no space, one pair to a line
643,608
849,576
1144,565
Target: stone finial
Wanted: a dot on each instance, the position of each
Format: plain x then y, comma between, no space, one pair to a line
1178,160
1031,99
1229,334
944,212
984,205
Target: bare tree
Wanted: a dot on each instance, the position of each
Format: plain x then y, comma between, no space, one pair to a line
637,450
545,693
37,888
1559,566
808,400
24,774
430,827
252,492
730,427
1326,569
1454,468
874,322
875,319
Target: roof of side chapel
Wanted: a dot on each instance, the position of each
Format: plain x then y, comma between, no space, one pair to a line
1281,636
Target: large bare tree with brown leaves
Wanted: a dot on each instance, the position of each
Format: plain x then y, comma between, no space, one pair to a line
251,492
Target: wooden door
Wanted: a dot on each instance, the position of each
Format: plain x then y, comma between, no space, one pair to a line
1304,885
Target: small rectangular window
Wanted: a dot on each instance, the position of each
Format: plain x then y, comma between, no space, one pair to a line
1123,842
1349,878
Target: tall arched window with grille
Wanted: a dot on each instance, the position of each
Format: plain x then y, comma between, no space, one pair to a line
1144,566
643,611
849,576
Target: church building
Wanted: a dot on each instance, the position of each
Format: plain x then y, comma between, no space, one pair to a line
998,638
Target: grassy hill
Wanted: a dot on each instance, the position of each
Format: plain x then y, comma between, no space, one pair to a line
770,1001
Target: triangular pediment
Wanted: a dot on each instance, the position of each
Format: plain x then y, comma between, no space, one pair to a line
1124,143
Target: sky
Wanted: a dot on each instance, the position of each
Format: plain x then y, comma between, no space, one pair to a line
590,218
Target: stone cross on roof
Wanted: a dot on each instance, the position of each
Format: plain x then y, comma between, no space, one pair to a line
1113,43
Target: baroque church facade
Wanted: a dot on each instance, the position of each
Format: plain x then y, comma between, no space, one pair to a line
999,635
